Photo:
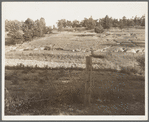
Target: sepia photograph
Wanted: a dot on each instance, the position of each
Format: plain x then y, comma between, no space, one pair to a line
74,60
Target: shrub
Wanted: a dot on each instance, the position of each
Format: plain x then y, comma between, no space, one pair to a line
36,33
141,62
99,29
28,35
129,70
16,37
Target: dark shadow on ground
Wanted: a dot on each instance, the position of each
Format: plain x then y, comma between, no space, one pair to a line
74,68
126,44
8,42
46,94
81,35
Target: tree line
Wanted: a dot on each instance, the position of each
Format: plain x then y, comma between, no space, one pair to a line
27,30
102,23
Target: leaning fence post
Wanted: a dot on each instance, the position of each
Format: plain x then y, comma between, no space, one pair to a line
88,83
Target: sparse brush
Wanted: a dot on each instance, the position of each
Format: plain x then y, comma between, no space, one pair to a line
25,71
141,62
12,102
32,70
62,71
35,78
72,94
128,70
14,81
25,78
41,81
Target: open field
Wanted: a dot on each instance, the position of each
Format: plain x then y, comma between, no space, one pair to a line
51,82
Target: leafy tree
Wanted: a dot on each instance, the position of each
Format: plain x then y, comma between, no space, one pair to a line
31,29
91,23
28,35
29,23
69,23
107,23
38,29
27,30
75,23
84,22
13,26
142,20
121,24
130,22
43,25
18,37
115,23
124,21
42,22
136,20
61,23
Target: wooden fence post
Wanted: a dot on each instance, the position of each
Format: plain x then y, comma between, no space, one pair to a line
88,83
133,61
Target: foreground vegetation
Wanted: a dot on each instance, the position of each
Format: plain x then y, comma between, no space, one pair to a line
34,91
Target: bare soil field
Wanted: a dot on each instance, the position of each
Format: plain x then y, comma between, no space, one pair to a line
41,81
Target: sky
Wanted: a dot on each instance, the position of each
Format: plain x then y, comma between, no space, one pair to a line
54,11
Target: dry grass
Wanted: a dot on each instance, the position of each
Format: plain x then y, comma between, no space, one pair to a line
53,88
52,82
124,62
